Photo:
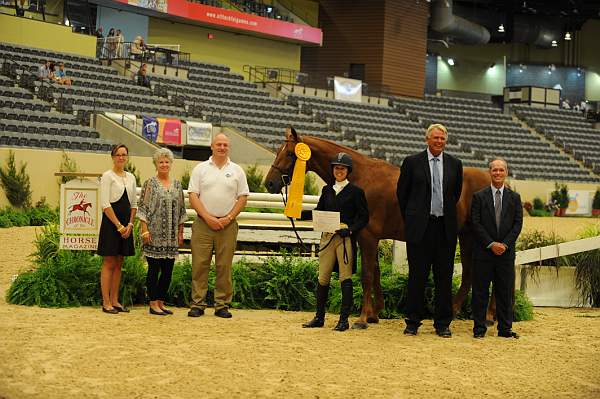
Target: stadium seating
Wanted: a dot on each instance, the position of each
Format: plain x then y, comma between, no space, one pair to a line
486,131
566,128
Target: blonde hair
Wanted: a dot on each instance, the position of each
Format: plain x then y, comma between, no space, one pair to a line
162,153
435,126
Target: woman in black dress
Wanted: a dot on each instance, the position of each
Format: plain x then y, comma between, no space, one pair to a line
338,250
119,205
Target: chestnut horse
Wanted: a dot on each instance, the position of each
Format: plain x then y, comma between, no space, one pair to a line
378,179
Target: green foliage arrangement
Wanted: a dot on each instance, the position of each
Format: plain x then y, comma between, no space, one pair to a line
523,309
67,164
130,167
596,200
15,182
39,215
255,179
185,179
310,184
560,195
538,204
587,272
535,239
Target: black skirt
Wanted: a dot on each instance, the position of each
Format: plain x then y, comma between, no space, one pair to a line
110,242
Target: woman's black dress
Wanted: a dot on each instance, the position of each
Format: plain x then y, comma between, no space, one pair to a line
110,242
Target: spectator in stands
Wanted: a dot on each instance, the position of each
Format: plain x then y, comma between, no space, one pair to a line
218,192
142,78
99,33
52,71
110,44
338,250
138,48
162,214
44,71
119,204
428,189
61,75
566,104
119,43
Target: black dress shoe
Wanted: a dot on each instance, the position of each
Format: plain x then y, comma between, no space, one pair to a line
110,311
341,326
167,311
317,322
479,334
195,312
120,309
223,313
508,334
154,312
444,332
411,330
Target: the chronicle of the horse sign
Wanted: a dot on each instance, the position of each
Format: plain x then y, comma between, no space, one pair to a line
80,214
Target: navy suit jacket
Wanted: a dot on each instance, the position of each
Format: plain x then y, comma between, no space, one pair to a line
414,195
483,218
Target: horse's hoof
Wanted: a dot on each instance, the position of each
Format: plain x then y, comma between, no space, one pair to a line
359,326
489,323
373,320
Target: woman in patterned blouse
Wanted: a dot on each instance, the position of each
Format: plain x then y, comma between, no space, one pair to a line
162,214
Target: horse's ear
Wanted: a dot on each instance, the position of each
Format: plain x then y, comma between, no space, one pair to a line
294,134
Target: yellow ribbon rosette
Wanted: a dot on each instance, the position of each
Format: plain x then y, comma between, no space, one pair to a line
293,208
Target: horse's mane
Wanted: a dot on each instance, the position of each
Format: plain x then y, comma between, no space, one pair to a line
357,157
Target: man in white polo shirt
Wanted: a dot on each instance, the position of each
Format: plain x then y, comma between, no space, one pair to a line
218,192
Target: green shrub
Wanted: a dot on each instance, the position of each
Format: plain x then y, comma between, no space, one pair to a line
130,167
185,179
523,309
255,179
596,200
535,239
67,164
540,212
587,272
15,183
310,184
538,204
560,195
180,290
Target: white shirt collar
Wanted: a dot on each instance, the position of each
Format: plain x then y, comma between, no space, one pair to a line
430,156
339,185
494,189
210,159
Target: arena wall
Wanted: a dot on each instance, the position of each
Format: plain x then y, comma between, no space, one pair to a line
232,49
32,33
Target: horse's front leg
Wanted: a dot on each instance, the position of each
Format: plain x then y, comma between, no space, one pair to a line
466,257
368,313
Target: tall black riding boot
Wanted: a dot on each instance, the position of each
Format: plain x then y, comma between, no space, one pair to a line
319,320
347,300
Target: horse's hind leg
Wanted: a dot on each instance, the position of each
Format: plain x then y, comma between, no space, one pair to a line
367,314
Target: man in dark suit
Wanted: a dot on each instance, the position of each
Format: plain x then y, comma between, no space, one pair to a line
497,217
428,189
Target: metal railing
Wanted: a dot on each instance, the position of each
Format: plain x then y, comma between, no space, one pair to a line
112,48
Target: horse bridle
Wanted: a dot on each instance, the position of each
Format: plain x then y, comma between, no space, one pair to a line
286,175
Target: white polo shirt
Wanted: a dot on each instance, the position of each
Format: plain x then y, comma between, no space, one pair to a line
218,189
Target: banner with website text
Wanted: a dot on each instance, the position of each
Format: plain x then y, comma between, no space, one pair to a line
236,20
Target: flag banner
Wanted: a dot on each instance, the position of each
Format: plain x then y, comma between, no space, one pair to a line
347,89
169,131
199,133
150,128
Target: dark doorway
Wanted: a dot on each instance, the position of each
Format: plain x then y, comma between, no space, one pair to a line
357,71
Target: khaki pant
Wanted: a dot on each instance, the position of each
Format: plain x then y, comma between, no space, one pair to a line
204,242
334,251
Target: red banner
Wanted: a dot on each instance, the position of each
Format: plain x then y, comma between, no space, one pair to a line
240,21
169,131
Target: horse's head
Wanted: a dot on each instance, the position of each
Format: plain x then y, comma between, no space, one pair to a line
282,168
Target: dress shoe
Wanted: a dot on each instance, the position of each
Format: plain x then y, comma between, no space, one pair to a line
411,330
341,326
195,312
122,309
479,334
110,311
443,332
223,313
508,334
314,323
157,313
167,311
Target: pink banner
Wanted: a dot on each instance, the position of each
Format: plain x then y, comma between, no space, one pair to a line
242,21
169,131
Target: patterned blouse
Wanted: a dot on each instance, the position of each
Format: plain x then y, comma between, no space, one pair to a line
163,210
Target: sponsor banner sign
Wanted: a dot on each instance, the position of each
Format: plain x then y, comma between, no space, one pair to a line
347,89
199,133
126,120
149,128
80,214
579,203
169,131
237,20
158,5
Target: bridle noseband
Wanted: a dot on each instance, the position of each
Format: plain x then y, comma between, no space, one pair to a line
286,175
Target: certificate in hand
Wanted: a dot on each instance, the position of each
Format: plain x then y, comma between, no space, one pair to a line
325,221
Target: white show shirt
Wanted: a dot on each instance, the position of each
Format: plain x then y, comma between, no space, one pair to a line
112,187
339,186
218,189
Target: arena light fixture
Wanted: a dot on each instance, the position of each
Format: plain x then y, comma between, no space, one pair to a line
501,28
451,61
554,43
568,35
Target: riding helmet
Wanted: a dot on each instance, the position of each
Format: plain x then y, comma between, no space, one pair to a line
342,159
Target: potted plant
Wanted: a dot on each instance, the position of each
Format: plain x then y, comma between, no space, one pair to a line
560,197
596,203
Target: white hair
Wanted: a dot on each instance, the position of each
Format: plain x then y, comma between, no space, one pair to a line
160,153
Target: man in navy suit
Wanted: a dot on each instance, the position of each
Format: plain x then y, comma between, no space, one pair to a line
428,189
497,217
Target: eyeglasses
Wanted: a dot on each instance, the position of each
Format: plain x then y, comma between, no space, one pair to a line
121,155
